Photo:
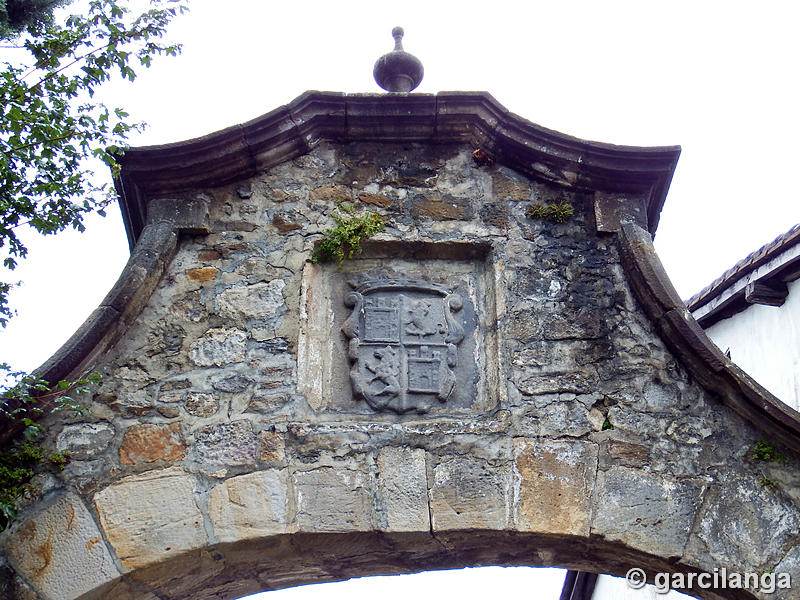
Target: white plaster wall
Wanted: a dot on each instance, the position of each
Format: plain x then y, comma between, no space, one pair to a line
765,342
616,588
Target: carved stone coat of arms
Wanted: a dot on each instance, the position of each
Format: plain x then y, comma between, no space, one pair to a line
403,347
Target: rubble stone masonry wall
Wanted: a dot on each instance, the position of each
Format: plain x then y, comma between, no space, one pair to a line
225,453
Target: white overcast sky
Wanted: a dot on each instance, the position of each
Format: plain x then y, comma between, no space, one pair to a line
719,78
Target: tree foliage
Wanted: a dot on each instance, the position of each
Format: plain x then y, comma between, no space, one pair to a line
25,398
18,15
51,128
51,125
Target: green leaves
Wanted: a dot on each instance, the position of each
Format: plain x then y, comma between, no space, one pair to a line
22,397
344,240
557,212
50,128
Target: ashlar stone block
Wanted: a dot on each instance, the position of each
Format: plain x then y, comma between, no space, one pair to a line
470,493
554,480
61,551
652,512
250,506
151,517
402,490
334,499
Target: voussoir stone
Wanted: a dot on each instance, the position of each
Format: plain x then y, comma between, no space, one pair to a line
470,493
61,551
250,506
334,500
649,511
555,483
149,517
403,490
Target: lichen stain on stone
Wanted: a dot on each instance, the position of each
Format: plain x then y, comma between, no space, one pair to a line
92,543
70,516
201,274
148,443
45,554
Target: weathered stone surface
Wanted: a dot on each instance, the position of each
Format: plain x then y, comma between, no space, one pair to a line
61,551
148,443
219,347
334,500
617,452
250,506
402,490
651,512
333,193
202,274
201,405
555,481
440,208
232,383
283,225
208,255
268,403
272,446
231,443
135,404
376,200
743,509
170,412
258,301
84,440
150,517
506,188
470,493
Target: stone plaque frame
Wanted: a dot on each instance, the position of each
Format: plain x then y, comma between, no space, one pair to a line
361,345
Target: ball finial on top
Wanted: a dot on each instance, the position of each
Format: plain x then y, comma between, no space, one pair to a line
397,34
398,71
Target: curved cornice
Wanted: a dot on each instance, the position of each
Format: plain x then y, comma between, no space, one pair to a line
447,117
703,359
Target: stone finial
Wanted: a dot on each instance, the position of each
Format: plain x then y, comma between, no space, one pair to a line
398,71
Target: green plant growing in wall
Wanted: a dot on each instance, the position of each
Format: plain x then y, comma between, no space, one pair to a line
344,240
556,212
20,403
765,451
767,482
59,459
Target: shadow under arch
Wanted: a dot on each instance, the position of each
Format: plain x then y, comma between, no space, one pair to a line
232,570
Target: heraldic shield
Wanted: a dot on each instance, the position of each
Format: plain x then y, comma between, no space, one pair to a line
403,344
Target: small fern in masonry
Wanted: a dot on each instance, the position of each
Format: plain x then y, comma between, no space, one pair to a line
344,240
557,212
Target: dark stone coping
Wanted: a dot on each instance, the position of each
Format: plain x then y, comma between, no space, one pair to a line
782,272
447,117
703,359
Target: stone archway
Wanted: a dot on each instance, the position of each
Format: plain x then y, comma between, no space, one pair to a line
551,403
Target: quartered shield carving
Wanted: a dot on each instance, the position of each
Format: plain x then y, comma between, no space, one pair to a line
403,344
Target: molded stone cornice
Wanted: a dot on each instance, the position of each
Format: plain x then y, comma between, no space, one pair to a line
448,117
